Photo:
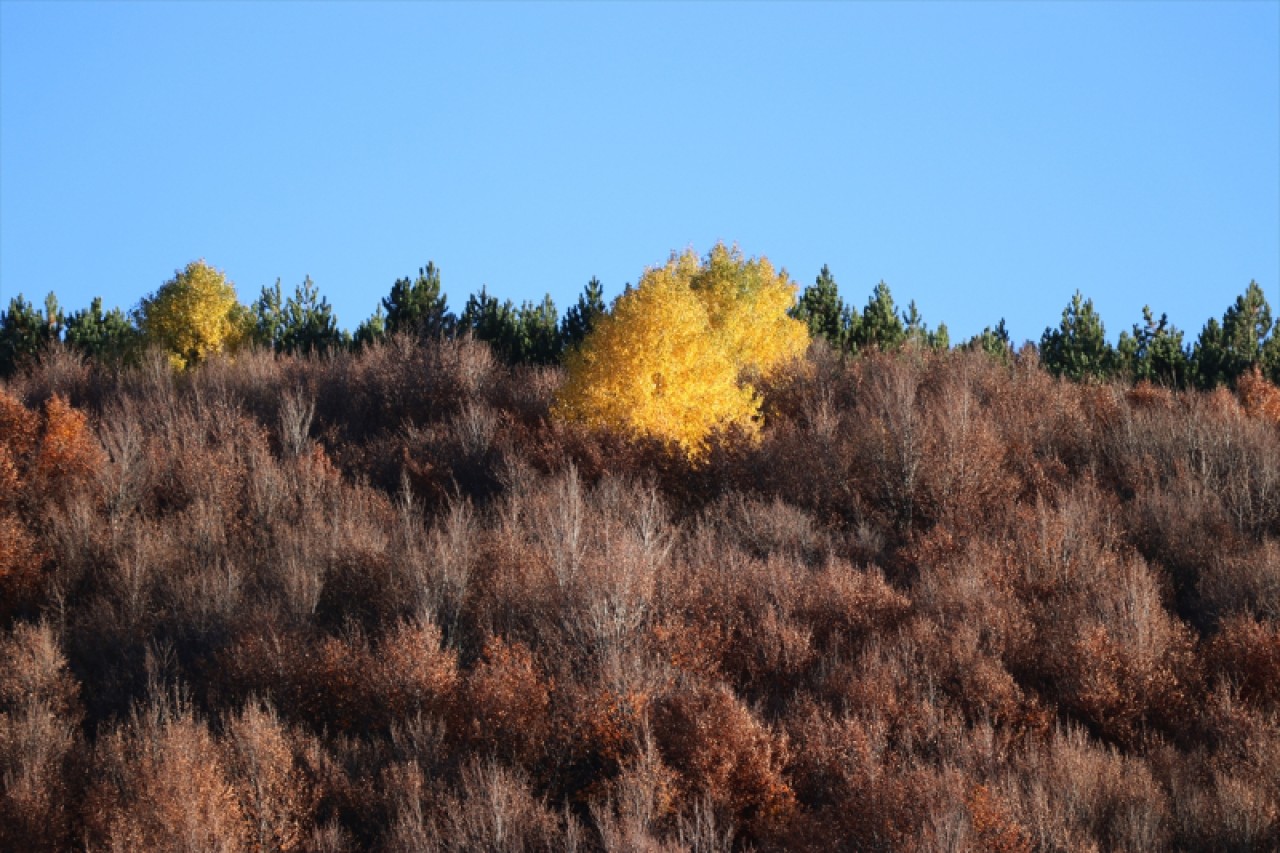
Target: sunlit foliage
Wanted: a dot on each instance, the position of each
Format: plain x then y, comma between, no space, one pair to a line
194,315
678,357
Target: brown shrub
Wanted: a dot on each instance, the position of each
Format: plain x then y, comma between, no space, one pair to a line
36,781
505,704
1245,583
735,763
856,789
1259,397
1076,795
1246,652
161,784
39,712
413,673
21,559
275,798
496,810
34,668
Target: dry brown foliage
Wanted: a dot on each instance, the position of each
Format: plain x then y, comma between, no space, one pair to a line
944,603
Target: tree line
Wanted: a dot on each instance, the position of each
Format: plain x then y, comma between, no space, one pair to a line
196,313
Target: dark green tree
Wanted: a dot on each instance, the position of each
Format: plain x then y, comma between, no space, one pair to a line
497,323
1078,348
302,323
823,311
881,327
108,337
1271,356
581,318
268,317
1154,352
1225,351
26,330
994,342
919,332
371,331
539,339
418,306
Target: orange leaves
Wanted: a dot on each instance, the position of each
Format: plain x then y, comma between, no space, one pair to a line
44,458
69,453
506,701
1259,397
996,829
724,753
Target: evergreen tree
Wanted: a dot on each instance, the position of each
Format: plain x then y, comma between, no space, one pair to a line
918,332
1271,356
539,338
268,317
497,323
26,330
1226,351
303,323
823,311
418,306
1154,352
108,337
994,342
581,318
371,331
881,327
1078,348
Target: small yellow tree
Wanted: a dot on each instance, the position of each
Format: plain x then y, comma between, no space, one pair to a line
194,315
677,357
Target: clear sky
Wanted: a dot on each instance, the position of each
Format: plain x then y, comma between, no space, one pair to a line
985,159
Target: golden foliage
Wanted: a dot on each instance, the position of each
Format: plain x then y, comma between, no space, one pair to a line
678,356
194,315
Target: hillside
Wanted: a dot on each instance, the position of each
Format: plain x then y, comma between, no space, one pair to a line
379,599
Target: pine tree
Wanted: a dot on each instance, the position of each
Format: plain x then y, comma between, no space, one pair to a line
823,311
1078,348
1224,352
918,332
581,318
497,323
371,331
26,330
303,323
108,337
418,306
994,342
1271,356
1154,352
539,339
881,327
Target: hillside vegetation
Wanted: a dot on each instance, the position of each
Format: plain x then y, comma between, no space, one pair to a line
379,598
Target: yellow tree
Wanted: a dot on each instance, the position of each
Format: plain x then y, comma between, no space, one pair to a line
678,355
194,315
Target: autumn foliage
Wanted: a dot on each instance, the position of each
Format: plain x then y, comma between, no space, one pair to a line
390,600
681,355
194,315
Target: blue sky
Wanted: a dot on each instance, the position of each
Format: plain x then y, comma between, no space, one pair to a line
985,159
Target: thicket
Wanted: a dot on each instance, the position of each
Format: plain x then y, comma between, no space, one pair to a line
379,599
